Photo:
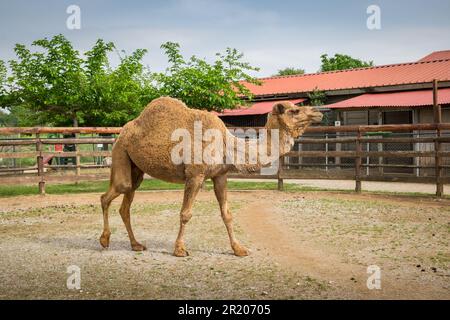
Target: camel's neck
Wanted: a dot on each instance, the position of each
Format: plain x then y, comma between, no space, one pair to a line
274,142
274,131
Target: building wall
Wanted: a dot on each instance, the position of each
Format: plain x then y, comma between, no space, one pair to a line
419,115
357,117
427,116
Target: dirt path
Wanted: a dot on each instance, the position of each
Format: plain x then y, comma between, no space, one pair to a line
270,234
310,245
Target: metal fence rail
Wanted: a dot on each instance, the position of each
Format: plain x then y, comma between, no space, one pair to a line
359,153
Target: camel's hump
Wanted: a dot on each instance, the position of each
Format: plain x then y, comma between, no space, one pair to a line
164,108
159,120
165,104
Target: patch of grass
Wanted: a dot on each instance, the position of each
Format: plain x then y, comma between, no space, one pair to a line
441,259
81,187
147,185
318,284
153,184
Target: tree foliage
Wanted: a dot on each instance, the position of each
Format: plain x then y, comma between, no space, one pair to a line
290,71
56,85
202,85
7,119
317,97
342,62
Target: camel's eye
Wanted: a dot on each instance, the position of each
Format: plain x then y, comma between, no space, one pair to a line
295,111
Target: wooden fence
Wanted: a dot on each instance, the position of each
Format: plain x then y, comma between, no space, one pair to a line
338,143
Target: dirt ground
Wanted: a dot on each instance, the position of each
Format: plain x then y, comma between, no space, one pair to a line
312,245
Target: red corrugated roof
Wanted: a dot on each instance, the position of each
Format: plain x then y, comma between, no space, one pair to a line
395,74
395,99
256,108
437,55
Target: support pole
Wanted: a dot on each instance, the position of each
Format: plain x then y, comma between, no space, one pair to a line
380,145
40,165
337,160
280,170
77,158
358,164
437,144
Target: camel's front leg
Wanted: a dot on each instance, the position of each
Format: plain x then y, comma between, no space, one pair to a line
220,189
191,189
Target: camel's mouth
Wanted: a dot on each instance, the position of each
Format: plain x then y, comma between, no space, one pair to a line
316,117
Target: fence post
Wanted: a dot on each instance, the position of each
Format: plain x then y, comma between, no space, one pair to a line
437,112
77,158
326,152
438,165
358,163
280,170
40,164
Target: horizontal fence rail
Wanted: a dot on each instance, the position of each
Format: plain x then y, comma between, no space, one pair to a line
405,152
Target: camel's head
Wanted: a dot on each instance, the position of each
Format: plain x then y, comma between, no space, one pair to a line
294,118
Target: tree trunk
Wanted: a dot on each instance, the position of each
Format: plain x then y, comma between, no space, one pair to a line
75,121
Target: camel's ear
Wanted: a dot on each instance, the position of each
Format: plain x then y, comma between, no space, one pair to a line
278,108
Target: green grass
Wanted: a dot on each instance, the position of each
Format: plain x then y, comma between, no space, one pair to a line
81,187
102,186
153,184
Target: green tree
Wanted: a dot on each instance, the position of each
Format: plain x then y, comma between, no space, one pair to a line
3,83
289,71
3,73
317,97
202,85
7,119
56,85
342,62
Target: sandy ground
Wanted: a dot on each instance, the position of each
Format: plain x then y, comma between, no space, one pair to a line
315,245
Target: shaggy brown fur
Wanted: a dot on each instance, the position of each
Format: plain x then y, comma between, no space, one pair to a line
144,146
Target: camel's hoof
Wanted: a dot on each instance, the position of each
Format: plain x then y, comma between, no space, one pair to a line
240,251
138,247
180,251
104,240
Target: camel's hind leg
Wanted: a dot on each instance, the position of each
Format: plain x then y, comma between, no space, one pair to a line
120,182
106,200
137,176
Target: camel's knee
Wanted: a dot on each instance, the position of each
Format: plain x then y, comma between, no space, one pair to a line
123,210
124,187
108,197
104,201
185,216
125,213
227,217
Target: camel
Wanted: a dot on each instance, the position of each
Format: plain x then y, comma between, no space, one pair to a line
145,145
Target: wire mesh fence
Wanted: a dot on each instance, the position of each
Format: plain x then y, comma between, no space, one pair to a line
371,142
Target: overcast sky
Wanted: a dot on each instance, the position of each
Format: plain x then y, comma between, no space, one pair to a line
272,34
